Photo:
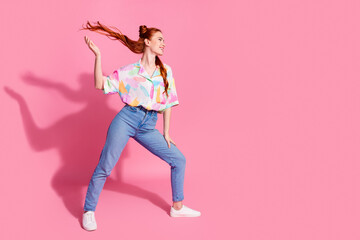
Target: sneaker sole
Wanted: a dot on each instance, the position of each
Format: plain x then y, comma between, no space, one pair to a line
89,229
183,215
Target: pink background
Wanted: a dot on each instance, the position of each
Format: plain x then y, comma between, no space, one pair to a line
268,120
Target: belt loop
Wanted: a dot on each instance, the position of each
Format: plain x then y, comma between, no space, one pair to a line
152,112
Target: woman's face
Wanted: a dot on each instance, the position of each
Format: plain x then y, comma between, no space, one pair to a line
157,43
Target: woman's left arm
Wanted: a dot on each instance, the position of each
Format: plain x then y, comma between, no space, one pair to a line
167,114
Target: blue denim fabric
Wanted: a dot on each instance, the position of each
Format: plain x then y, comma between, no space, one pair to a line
138,123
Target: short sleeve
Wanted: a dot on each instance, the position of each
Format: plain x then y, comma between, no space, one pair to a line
172,99
111,83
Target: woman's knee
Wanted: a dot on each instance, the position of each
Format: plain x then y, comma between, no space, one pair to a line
106,164
103,169
180,160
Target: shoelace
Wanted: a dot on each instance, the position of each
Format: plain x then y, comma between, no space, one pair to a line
90,218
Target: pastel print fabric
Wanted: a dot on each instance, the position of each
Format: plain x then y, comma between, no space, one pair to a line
136,87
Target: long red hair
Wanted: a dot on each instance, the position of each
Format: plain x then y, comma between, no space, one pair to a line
135,46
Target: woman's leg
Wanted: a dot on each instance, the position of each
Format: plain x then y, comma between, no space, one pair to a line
155,142
177,205
117,136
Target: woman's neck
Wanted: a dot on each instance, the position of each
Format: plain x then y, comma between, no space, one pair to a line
148,60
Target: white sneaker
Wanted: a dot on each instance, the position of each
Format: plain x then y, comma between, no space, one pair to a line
184,212
88,221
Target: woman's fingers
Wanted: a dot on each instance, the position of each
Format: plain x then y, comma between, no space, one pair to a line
88,41
171,141
167,141
92,46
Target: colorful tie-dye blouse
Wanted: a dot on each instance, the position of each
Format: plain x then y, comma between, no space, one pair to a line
136,87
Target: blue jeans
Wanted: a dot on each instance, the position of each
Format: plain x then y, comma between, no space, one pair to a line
138,123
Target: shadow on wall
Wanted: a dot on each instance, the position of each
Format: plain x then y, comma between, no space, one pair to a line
79,138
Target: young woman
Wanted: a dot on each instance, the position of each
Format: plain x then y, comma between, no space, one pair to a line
147,88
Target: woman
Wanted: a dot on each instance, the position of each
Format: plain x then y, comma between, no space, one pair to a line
147,88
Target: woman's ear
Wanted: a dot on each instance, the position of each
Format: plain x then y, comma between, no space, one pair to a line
147,42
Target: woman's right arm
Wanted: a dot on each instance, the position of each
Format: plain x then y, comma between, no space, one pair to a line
98,76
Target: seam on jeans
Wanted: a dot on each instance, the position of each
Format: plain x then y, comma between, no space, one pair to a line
175,182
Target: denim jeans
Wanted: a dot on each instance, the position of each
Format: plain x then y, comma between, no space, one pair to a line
138,123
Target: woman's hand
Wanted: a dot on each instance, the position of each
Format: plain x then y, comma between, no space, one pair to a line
92,46
168,139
